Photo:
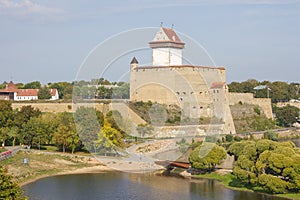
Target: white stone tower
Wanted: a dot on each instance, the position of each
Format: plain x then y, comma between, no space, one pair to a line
166,48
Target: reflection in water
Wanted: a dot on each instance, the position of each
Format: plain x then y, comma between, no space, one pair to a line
113,185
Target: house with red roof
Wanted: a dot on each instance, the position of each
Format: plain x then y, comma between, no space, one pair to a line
11,92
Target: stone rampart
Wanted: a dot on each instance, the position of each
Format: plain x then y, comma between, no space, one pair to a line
248,98
61,107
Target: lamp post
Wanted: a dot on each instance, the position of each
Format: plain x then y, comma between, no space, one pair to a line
261,87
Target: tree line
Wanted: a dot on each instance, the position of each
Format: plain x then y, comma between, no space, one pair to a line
86,129
95,88
278,91
262,165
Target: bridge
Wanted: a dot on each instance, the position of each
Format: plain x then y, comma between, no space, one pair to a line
172,164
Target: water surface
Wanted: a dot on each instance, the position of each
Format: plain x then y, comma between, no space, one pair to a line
114,185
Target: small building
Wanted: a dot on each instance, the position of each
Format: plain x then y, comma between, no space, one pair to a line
11,92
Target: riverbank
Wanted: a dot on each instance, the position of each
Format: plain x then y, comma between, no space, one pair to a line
42,165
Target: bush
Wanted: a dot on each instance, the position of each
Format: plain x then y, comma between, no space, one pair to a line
270,135
228,138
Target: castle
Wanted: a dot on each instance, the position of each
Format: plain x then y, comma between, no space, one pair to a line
200,91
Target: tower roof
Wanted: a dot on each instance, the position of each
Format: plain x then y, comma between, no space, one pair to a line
11,85
134,61
172,36
166,37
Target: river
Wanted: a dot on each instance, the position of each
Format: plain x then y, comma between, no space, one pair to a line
117,185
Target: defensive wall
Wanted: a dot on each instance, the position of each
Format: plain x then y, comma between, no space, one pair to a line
248,98
61,107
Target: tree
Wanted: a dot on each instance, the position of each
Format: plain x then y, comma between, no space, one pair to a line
286,115
61,136
115,119
33,85
271,165
66,135
87,126
121,92
144,129
6,120
64,89
44,93
237,147
271,135
8,188
14,134
113,135
104,145
25,114
207,163
34,132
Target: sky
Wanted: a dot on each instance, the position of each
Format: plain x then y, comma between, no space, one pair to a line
50,40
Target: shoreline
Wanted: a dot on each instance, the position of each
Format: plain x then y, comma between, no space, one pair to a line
84,170
103,169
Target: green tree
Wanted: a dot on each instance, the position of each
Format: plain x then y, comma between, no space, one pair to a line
44,93
9,190
286,115
25,114
144,129
33,85
88,127
64,89
6,120
13,133
207,163
271,165
121,92
237,147
271,135
34,132
66,135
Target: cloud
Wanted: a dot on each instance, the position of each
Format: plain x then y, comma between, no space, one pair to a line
26,8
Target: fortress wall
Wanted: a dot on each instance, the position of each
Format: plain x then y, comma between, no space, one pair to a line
183,82
61,107
263,103
235,98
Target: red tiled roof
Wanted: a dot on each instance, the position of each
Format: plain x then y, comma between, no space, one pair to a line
172,39
33,92
217,85
172,36
27,92
53,92
11,85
